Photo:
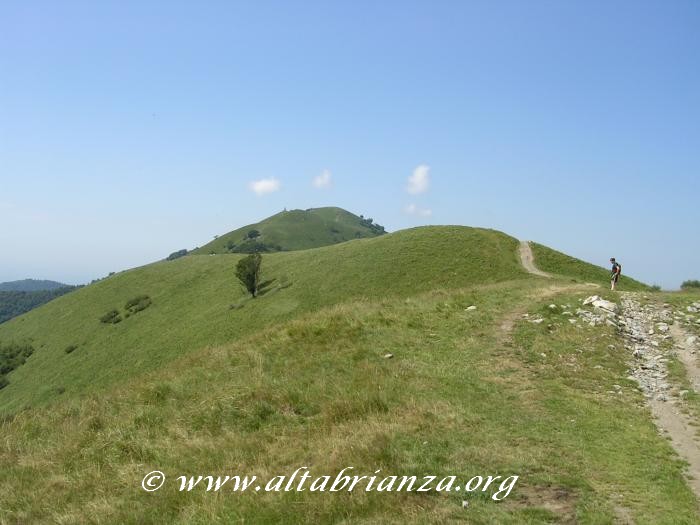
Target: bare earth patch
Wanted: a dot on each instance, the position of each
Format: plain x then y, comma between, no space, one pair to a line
559,501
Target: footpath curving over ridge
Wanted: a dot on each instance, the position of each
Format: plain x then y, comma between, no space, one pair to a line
527,259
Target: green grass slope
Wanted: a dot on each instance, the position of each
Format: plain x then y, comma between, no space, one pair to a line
455,400
192,299
552,261
296,230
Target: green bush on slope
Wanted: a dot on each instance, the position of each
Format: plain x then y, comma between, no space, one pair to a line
12,356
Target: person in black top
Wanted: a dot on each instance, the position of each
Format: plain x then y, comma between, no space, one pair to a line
615,272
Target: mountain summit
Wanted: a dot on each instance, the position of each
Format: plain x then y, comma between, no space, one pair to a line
295,230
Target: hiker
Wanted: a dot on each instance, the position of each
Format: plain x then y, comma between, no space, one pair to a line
615,275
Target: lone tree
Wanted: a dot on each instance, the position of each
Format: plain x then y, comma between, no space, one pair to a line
248,272
692,284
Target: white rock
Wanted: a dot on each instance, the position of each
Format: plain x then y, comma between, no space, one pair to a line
470,308
605,305
589,300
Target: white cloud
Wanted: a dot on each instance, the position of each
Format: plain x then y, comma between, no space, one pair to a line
419,181
263,186
412,209
323,180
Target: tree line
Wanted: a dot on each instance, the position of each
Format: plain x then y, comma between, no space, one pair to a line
13,304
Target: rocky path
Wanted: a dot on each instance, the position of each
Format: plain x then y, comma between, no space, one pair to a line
652,340
528,260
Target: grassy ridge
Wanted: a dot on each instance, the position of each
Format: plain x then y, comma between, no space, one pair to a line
192,297
558,263
297,230
316,391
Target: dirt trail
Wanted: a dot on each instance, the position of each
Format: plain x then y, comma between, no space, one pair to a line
528,260
646,329
686,354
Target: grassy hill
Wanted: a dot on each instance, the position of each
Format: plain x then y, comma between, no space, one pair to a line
30,285
458,398
294,230
192,299
366,354
558,263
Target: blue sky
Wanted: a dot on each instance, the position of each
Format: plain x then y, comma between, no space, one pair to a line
129,130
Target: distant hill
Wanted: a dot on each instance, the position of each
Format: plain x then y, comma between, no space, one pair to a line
14,303
30,285
295,230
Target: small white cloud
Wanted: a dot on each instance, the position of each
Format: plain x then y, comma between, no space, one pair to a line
264,186
419,181
323,180
412,209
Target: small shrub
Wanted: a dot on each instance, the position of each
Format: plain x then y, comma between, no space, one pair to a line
692,284
111,317
70,348
253,246
177,255
137,304
12,356
655,288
